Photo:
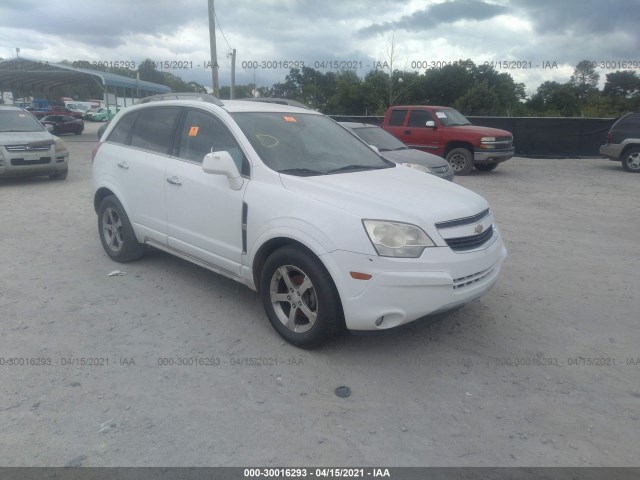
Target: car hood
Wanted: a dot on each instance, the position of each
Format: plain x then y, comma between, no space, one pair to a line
411,155
22,138
484,131
398,194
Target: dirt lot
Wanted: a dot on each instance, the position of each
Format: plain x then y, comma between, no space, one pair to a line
542,371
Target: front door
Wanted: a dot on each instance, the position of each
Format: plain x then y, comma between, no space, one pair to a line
204,214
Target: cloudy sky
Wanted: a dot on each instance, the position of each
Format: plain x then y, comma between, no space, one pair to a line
267,33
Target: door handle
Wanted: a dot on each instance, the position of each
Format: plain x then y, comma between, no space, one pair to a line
174,181
407,132
123,164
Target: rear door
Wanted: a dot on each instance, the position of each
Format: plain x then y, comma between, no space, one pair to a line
395,124
139,168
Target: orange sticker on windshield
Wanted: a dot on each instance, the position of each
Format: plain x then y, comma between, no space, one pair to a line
193,131
289,119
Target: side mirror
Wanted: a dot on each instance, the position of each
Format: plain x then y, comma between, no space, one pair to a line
49,128
221,163
431,124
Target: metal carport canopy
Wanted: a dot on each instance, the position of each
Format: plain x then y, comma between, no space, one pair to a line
24,73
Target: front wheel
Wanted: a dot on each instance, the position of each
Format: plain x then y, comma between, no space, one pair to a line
116,233
631,160
461,161
486,167
59,175
299,297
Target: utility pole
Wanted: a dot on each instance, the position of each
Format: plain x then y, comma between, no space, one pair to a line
214,54
233,74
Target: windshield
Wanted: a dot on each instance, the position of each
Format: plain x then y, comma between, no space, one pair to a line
18,121
379,138
306,144
451,117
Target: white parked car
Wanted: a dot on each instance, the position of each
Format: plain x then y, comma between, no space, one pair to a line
294,206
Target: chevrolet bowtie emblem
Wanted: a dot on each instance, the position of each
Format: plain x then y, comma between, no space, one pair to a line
479,228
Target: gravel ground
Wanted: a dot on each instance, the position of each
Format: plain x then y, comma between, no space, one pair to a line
542,371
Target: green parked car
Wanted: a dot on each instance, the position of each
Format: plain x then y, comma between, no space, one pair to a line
101,114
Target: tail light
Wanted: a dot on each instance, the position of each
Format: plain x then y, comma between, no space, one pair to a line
609,136
94,151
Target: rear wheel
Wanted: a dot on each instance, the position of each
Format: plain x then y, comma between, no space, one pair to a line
116,233
486,167
461,161
631,160
299,297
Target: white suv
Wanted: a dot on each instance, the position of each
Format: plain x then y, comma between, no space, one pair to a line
291,204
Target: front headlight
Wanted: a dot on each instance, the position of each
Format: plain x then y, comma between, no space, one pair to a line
417,166
487,143
397,239
61,147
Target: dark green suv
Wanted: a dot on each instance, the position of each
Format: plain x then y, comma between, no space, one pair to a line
623,142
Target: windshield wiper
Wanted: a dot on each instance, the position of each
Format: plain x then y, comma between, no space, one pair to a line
303,172
353,168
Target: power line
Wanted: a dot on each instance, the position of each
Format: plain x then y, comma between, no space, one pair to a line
225,38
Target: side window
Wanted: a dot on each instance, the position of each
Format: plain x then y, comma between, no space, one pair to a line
631,121
155,129
123,128
419,118
203,133
397,118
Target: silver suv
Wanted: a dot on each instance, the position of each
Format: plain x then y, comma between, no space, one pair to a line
623,142
27,147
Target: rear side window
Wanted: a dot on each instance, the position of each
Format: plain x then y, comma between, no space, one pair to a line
630,121
121,131
155,129
419,118
397,118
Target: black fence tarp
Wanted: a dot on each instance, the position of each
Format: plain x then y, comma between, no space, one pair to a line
537,136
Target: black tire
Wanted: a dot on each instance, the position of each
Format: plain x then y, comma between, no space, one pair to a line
59,175
313,313
116,233
486,167
461,161
631,160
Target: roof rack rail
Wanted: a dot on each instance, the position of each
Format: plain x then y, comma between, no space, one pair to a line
281,101
203,97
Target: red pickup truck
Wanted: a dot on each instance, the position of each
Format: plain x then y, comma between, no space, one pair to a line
446,132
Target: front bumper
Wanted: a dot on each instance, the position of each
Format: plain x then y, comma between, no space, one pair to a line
403,290
611,150
448,174
22,165
493,156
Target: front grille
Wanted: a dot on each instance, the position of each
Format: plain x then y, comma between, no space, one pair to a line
462,244
471,279
39,147
440,169
462,221
37,161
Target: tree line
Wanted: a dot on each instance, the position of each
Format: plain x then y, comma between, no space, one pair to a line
472,89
